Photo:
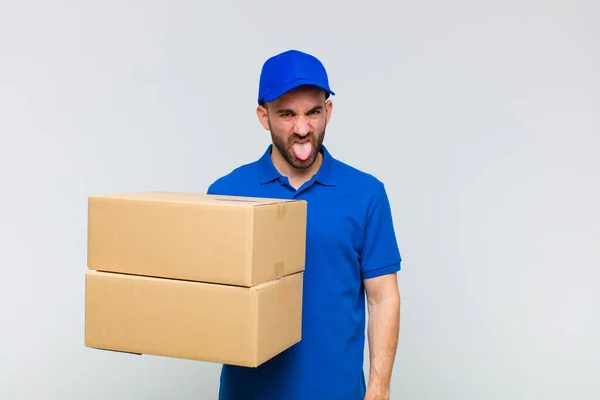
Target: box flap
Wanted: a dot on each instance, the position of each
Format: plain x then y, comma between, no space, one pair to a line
279,315
193,198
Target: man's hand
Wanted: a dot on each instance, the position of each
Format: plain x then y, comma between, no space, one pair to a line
383,299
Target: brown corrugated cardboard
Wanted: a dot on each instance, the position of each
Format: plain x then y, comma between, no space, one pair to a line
240,241
201,321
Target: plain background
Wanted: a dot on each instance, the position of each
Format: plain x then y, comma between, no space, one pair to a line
482,119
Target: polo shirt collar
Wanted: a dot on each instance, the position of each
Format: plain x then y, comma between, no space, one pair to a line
268,173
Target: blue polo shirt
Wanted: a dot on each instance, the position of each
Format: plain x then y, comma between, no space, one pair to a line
350,237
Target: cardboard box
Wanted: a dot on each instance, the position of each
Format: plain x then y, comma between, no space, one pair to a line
220,239
209,278
201,321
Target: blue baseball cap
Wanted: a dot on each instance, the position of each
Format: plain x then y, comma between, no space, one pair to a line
288,70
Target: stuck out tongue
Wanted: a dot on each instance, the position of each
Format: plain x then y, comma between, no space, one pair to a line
302,150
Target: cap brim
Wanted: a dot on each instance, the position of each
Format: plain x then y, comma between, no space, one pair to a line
292,85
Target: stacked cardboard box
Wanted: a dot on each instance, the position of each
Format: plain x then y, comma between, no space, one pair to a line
211,278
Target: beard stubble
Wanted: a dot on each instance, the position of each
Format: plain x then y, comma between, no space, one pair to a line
285,148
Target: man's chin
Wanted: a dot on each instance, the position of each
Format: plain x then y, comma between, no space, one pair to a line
299,164
303,164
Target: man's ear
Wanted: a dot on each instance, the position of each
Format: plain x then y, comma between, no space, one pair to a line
263,116
328,109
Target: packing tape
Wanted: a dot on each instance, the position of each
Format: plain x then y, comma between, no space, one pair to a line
278,270
281,211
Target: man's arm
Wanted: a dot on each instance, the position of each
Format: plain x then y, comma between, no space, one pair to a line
383,299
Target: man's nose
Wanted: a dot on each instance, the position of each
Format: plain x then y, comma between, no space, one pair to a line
302,127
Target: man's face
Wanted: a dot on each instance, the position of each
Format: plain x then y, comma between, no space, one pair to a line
297,122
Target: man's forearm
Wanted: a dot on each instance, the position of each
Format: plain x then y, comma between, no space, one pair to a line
383,330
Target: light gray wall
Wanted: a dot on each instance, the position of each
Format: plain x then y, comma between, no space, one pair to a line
482,118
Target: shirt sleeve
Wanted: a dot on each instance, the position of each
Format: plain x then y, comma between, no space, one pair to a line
212,189
217,188
380,253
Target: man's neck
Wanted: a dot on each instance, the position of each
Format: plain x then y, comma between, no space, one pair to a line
297,177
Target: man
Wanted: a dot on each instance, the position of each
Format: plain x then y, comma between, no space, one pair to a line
351,247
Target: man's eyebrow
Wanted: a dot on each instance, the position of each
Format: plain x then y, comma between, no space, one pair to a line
289,111
285,111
